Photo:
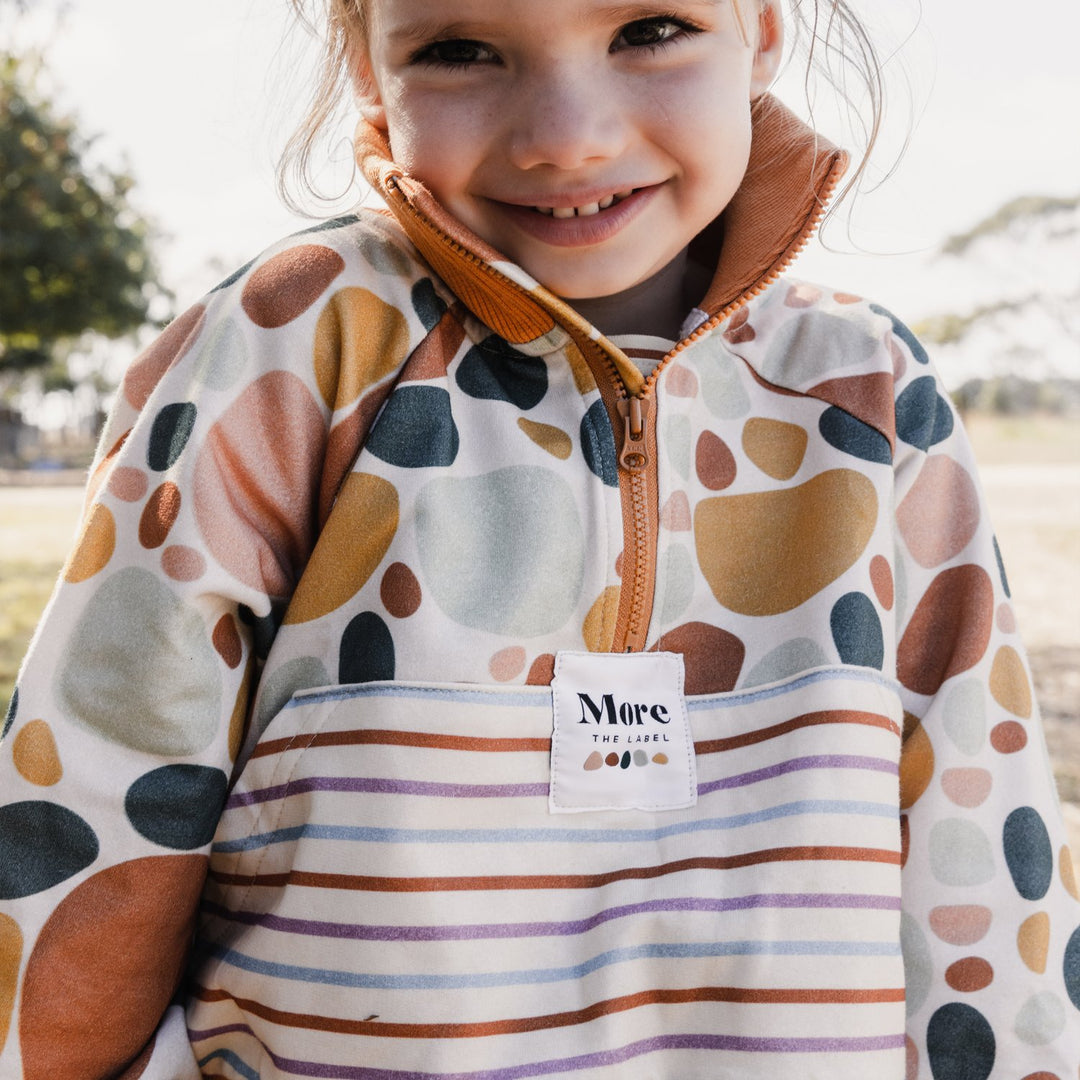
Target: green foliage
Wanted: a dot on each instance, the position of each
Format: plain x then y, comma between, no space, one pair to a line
950,328
1014,395
75,256
1024,206
24,589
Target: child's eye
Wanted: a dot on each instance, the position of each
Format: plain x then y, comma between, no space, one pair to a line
652,33
454,53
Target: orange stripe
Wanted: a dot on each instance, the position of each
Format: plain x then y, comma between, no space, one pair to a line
380,737
364,883
481,1029
815,719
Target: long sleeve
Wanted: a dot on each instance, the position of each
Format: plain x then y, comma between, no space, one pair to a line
990,926
130,708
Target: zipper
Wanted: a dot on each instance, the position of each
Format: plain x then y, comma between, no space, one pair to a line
633,420
640,524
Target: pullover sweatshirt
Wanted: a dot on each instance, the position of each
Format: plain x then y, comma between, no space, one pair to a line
279,790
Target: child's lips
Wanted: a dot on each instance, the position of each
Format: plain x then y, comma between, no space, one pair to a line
587,220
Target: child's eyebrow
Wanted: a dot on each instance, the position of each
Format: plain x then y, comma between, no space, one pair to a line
628,12
427,29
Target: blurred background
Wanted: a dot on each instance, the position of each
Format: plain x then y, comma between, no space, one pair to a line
138,147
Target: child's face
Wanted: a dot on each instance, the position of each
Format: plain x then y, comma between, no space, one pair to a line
588,140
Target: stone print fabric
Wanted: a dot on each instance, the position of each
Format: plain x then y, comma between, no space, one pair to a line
819,512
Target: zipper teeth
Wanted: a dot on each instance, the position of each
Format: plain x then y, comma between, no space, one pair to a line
443,235
638,491
760,286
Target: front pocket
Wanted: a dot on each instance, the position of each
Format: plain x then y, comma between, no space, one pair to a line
388,891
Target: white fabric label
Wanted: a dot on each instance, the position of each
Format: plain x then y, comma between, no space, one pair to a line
621,735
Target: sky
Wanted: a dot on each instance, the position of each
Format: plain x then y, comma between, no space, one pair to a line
196,99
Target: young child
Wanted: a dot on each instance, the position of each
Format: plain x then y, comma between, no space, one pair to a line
784,810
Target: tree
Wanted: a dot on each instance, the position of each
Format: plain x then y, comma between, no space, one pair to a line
74,255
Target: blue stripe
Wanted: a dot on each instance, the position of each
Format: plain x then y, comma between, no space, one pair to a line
234,1061
747,697
540,696
481,980
537,697
377,835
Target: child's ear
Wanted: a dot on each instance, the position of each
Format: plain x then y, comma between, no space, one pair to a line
769,48
368,99
371,109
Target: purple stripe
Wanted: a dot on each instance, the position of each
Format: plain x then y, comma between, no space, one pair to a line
738,1043
383,786
479,931
598,1059
817,761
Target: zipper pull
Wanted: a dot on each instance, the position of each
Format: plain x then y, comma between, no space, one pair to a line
634,411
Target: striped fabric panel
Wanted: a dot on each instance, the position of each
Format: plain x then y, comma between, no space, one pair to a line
389,896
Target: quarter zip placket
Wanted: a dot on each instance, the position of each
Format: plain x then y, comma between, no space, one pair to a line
633,421
633,418
637,463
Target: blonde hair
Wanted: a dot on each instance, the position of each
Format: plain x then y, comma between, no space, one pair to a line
828,34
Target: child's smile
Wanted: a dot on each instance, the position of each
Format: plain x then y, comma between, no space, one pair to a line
577,220
587,141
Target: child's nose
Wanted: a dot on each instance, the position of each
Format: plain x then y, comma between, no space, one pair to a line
565,120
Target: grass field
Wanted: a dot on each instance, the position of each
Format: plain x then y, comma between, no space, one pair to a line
37,525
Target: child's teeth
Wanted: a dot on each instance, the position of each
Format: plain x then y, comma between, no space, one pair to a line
587,210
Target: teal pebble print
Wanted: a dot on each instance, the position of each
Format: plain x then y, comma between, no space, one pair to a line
234,277
264,629
9,717
41,844
960,1044
332,223
598,444
923,416
416,429
856,631
177,806
427,303
496,371
367,650
1071,968
851,435
904,334
169,434
1028,853
1001,569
